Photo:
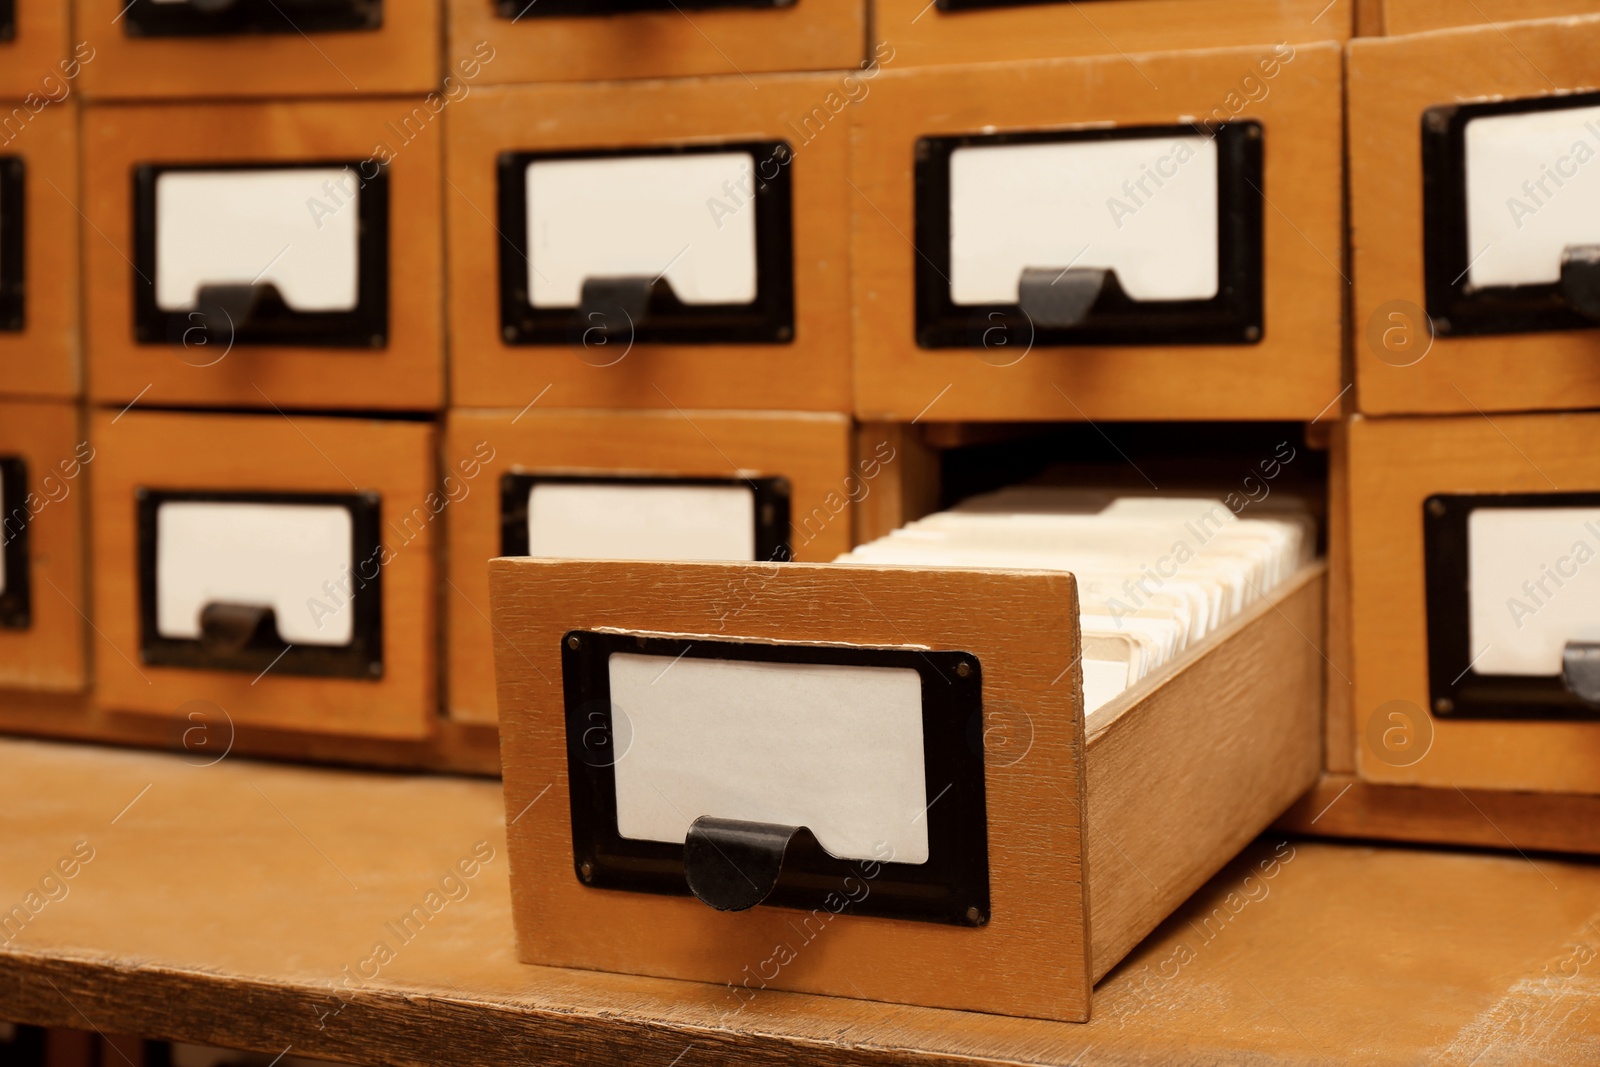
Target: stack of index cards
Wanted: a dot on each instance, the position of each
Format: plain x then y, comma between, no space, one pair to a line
1156,574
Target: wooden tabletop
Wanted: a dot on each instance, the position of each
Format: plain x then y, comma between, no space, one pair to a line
366,917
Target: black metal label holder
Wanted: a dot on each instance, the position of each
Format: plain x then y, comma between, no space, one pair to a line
215,18
13,243
985,5
256,314
251,641
520,9
771,504
16,600
1455,690
952,887
1105,315
642,309
1455,307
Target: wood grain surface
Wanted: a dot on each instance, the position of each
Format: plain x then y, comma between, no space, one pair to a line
406,374
812,450
1338,743
402,56
1418,16
1030,959
460,747
216,909
51,654
922,35
455,747
272,453
1369,18
1395,465
812,373
35,51
1392,81
1343,805
1190,765
43,358
908,488
1293,372
679,43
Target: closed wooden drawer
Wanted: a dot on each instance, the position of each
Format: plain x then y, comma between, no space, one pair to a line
38,249
597,40
979,31
645,485
176,48
1418,16
35,57
722,277
281,569
1063,240
968,836
265,255
1472,199
44,459
1474,601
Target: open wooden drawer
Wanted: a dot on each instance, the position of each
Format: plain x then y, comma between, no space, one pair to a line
1050,842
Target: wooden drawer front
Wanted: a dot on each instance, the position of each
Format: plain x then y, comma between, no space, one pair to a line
44,459
1471,561
34,53
977,31
331,335
494,455
1226,289
147,49
747,279
1442,127
202,520
38,249
588,40
1023,945
1418,16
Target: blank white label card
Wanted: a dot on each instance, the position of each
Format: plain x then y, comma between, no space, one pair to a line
837,749
689,219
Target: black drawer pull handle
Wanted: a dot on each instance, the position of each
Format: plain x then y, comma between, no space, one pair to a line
224,310
1580,279
734,865
1580,670
1060,299
229,629
621,303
